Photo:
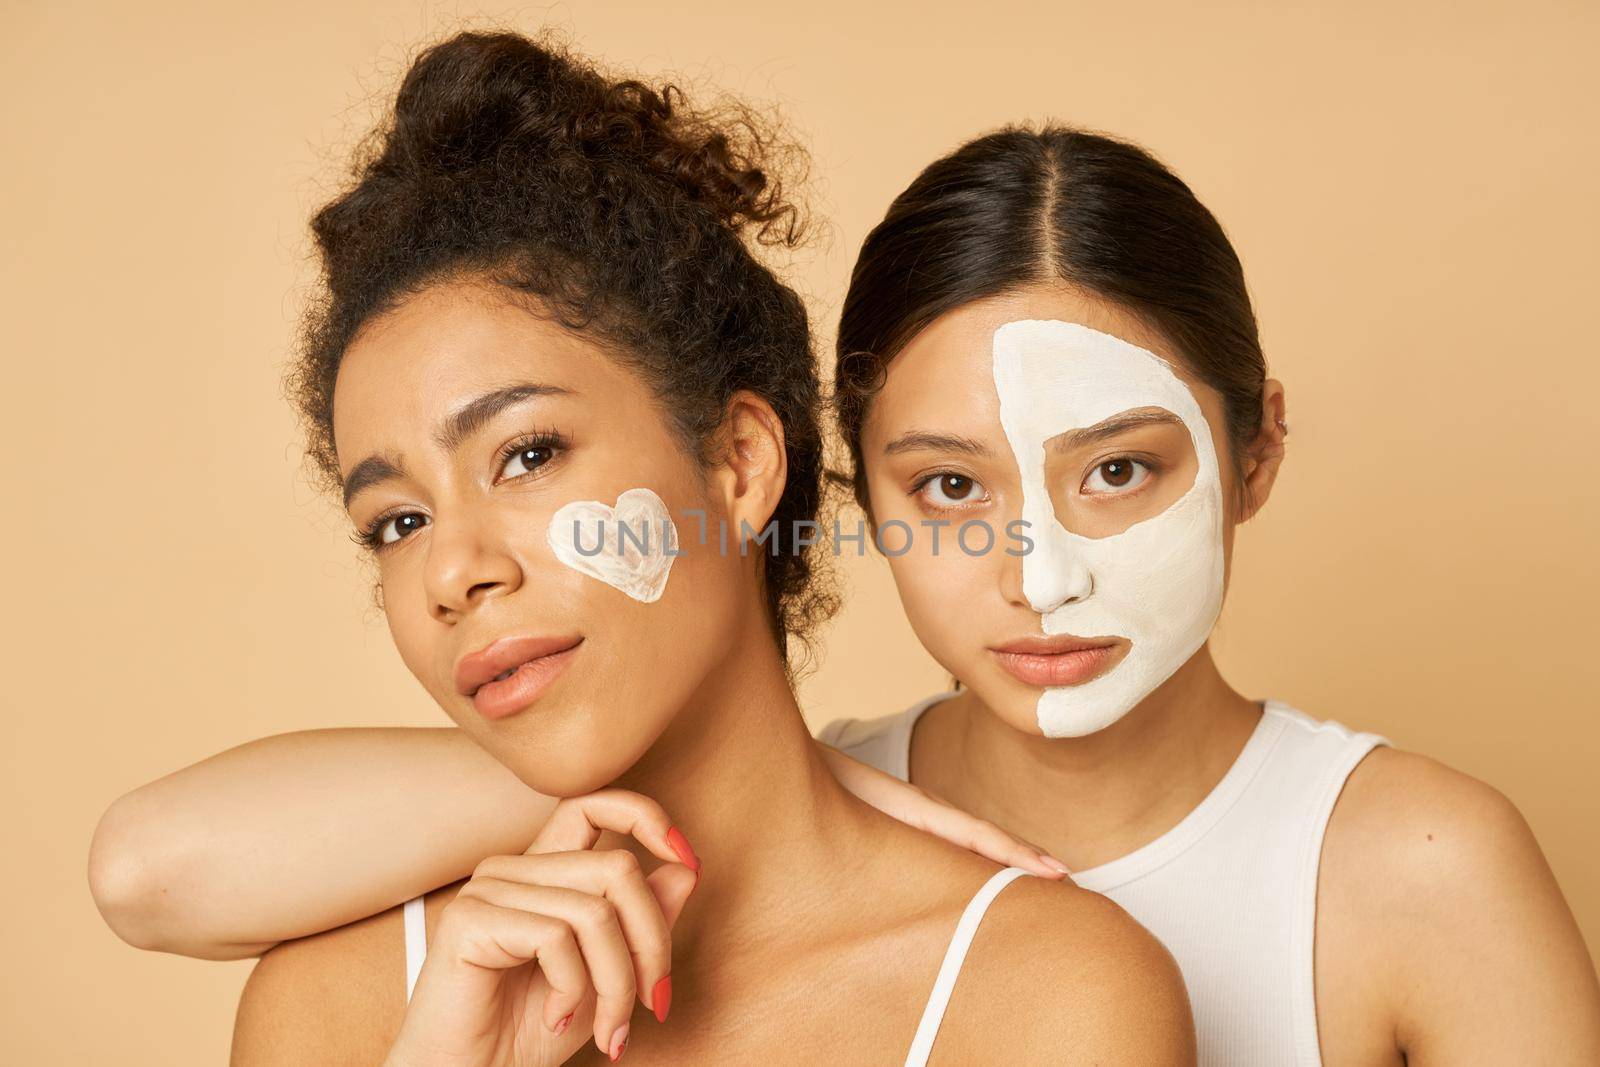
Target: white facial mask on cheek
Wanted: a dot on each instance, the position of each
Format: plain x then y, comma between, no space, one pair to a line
588,536
1159,582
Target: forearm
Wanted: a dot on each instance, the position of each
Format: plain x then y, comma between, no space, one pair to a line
302,832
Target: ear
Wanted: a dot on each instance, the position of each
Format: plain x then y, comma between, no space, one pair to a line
754,466
1265,454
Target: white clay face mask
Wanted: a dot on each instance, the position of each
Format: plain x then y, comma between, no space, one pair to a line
630,546
1158,583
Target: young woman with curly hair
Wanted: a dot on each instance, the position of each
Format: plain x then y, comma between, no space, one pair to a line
539,297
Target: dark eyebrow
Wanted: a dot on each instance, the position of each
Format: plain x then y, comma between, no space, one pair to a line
454,429
923,441
1128,420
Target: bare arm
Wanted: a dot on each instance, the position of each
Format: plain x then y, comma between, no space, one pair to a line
293,834
298,833
336,997
1472,953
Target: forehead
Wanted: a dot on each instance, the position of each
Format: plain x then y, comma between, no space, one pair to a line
1054,373
448,343
945,376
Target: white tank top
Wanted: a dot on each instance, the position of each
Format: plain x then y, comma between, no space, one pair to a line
932,1012
1231,890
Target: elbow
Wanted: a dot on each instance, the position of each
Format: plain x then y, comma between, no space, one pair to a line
126,877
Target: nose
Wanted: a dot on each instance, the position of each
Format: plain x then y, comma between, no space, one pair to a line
1054,573
465,567
1011,564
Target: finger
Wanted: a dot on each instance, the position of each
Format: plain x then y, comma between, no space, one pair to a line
671,884
987,839
916,807
615,876
483,933
594,923
1049,866
576,824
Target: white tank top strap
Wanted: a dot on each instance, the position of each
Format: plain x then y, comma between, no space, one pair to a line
945,983
932,1014
416,942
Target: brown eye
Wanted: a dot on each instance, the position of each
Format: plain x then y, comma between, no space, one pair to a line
1116,475
404,525
531,457
952,490
955,487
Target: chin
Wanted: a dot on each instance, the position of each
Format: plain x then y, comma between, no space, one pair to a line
564,774
1012,703
563,786
1023,715
576,761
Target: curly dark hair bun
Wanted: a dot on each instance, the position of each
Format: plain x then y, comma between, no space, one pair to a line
617,207
499,98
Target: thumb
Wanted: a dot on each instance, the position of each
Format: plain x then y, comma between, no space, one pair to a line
672,883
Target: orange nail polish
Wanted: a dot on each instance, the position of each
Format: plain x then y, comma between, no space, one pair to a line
563,1022
661,998
680,845
619,1042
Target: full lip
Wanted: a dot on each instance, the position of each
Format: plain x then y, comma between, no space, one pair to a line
1050,661
475,670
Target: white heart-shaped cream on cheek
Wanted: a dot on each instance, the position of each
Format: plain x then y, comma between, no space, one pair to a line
630,546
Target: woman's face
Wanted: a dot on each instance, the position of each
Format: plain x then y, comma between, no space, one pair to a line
463,423
1093,468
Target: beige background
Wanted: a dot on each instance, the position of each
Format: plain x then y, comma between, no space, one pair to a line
1411,188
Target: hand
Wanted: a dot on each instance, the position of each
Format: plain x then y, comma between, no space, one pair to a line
919,808
539,951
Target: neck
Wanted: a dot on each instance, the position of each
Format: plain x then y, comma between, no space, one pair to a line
1088,800
740,776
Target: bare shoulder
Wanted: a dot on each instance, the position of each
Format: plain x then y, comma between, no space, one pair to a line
333,997
1435,898
1059,974
1408,824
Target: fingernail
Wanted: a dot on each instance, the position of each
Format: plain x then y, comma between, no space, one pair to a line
619,1041
680,845
661,998
563,1022
1054,864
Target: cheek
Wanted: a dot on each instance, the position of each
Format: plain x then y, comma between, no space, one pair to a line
643,664
412,632
944,599
944,594
666,647
698,609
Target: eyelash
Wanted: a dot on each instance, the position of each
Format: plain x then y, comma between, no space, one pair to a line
369,535
1152,469
928,479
